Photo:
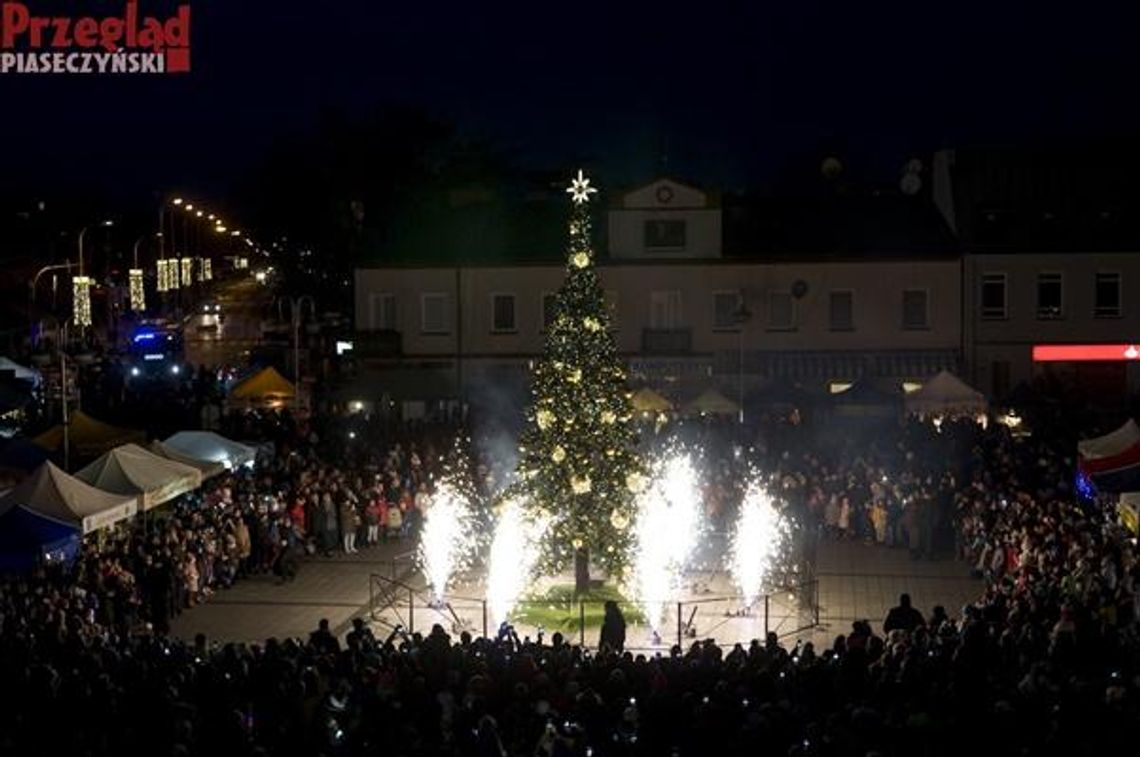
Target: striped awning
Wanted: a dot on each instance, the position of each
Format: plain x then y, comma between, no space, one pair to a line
821,365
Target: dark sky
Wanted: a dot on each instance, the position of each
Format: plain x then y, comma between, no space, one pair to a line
730,90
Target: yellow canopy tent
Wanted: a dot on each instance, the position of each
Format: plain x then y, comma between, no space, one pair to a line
266,384
645,400
89,437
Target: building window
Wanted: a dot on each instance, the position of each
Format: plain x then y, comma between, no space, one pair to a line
433,313
382,311
726,308
1107,296
549,309
916,311
841,311
781,311
993,296
665,309
665,235
503,313
1050,296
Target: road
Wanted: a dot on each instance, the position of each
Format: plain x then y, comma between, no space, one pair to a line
212,341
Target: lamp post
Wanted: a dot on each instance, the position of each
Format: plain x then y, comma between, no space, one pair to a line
296,312
32,296
81,285
741,316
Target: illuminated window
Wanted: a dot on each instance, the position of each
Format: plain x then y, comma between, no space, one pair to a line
836,387
911,386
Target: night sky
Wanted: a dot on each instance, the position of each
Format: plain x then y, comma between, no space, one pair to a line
730,94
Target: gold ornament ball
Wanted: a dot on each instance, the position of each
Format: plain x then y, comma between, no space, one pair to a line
635,482
580,259
580,484
619,520
608,417
577,543
558,454
544,418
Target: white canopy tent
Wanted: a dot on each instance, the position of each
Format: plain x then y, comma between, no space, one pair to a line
207,468
53,494
1111,444
946,394
211,447
134,471
712,402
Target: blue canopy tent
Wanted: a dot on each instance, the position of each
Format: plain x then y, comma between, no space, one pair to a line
28,539
22,454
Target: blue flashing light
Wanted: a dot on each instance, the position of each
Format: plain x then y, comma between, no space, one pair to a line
1086,490
145,336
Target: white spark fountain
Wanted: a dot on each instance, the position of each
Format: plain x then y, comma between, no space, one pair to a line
669,526
448,538
514,552
761,532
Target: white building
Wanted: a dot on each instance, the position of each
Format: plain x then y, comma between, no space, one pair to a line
817,317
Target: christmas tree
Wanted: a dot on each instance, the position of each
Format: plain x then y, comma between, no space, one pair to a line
578,464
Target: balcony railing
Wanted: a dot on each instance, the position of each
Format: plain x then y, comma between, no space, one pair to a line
666,341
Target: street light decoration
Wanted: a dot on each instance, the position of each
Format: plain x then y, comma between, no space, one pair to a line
81,300
207,269
187,271
137,289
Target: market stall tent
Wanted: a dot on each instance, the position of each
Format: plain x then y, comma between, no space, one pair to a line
28,539
645,400
51,493
134,471
946,394
208,468
712,402
89,437
266,384
211,447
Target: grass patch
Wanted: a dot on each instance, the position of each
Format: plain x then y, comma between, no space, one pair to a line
558,609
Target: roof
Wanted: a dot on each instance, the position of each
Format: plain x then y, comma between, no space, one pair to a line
89,436
208,446
510,231
133,471
54,494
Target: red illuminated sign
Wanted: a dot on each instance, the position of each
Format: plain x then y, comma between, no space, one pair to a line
1052,353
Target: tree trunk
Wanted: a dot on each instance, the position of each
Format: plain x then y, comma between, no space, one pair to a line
581,571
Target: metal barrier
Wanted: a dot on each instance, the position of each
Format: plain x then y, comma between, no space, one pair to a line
784,611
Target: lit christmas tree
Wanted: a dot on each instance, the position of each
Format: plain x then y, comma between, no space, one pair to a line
578,463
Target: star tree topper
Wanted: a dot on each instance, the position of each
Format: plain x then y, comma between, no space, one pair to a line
580,189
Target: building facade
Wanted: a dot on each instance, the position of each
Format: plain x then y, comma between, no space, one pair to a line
1018,302
686,316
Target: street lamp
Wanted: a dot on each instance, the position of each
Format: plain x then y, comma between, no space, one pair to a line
741,316
296,312
81,286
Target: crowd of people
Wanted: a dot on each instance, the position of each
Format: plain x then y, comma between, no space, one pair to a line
1044,662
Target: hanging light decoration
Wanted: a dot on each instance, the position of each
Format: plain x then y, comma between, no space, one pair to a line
137,289
187,271
207,270
81,299
163,275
